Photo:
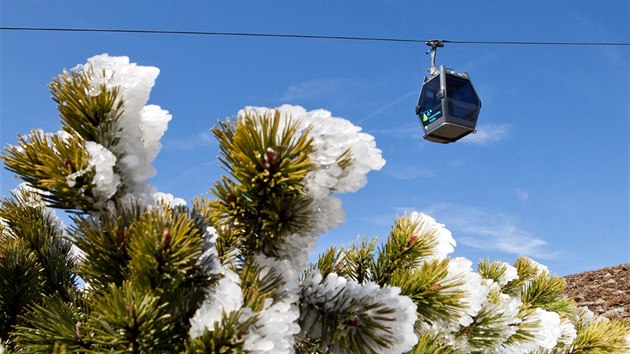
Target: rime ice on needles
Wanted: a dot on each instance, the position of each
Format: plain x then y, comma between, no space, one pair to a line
507,307
332,137
549,329
544,326
105,180
140,127
168,199
540,268
226,297
474,288
395,314
426,225
568,333
510,274
276,325
32,197
63,135
153,123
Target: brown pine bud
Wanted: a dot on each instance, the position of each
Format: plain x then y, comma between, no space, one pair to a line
120,237
270,159
354,321
288,215
436,286
79,329
166,239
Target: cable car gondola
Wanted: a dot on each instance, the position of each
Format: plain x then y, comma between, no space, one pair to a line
448,105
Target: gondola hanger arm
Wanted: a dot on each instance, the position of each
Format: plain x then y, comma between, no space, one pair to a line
434,44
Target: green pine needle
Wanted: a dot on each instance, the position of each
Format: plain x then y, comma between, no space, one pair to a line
127,320
432,344
22,282
357,262
403,250
601,336
27,221
227,337
437,298
53,325
45,162
264,193
547,292
88,110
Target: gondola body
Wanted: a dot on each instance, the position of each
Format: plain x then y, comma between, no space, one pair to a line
448,106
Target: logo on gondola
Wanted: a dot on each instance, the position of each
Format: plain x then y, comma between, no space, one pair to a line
429,116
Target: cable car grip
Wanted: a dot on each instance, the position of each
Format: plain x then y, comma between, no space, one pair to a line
434,44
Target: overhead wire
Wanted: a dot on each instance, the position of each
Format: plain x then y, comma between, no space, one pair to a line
303,36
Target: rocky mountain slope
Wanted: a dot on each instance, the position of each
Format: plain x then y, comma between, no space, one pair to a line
605,291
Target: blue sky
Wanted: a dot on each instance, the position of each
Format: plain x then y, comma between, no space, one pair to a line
546,175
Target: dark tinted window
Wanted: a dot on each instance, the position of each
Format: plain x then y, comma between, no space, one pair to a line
462,100
430,105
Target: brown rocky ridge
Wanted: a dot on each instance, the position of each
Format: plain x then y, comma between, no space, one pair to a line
605,291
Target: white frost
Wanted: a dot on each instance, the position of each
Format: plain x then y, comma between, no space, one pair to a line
510,274
549,330
540,268
396,314
226,297
568,332
32,198
140,126
332,137
473,287
427,225
168,199
276,324
105,180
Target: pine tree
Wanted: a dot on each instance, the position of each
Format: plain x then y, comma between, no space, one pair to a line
140,271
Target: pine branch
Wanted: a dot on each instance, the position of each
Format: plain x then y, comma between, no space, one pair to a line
437,298
494,323
499,272
22,282
526,328
308,346
127,320
547,292
258,286
165,246
527,270
264,193
331,261
358,261
403,249
28,220
88,109
227,336
105,241
432,344
601,335
57,165
54,326
350,317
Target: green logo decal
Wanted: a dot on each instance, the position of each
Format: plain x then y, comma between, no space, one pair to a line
425,118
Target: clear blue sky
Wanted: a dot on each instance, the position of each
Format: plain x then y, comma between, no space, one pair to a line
546,175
